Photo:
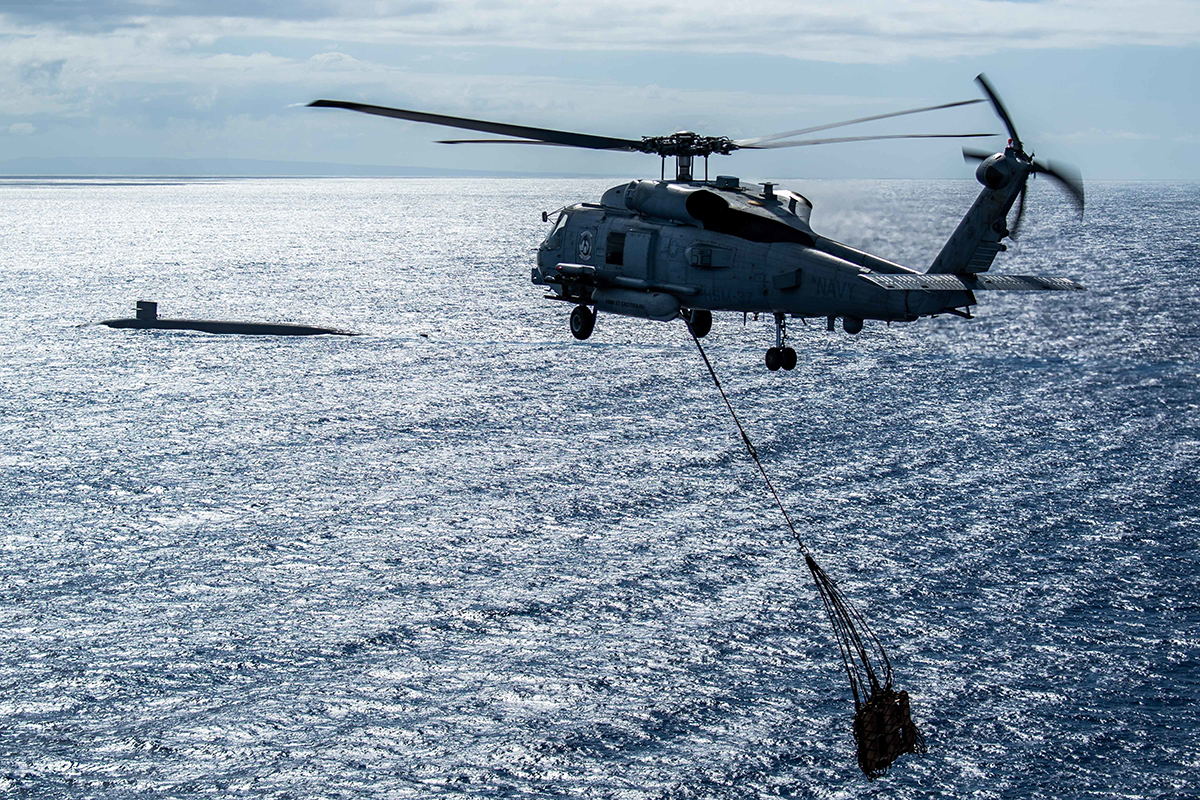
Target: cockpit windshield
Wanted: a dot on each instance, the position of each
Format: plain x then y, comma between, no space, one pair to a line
554,240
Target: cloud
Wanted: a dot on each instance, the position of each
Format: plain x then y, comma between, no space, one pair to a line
166,73
625,68
94,16
334,61
76,57
21,129
79,57
854,31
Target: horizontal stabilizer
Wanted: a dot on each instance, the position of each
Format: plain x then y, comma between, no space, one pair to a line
971,283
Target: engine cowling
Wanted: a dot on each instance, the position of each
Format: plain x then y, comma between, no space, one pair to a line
677,202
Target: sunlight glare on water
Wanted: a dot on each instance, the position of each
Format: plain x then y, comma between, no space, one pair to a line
464,555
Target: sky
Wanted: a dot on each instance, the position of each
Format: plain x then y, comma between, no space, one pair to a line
1108,85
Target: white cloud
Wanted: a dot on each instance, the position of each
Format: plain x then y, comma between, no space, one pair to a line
204,102
336,61
52,66
854,31
21,129
90,75
197,68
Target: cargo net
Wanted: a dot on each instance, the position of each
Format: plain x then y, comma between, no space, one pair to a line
883,726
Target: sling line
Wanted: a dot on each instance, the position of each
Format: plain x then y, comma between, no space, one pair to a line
883,727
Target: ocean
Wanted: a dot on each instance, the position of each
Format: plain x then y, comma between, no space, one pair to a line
464,555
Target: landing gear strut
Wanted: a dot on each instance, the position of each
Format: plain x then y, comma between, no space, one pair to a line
583,320
781,355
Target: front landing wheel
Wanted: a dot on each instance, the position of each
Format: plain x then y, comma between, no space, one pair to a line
774,358
789,359
583,320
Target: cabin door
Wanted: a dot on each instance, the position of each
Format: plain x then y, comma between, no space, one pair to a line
639,254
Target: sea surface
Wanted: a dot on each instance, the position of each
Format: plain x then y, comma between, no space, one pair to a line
464,555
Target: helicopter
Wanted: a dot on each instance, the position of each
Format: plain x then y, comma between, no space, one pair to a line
662,249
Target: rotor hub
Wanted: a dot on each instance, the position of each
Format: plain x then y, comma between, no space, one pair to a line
686,143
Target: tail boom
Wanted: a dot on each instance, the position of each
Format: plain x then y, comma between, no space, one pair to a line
977,239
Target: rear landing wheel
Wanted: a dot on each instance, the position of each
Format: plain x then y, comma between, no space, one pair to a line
583,320
789,358
774,358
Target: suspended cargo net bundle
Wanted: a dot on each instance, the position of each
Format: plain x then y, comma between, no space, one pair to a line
883,726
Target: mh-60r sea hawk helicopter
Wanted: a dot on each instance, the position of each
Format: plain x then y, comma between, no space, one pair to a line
661,249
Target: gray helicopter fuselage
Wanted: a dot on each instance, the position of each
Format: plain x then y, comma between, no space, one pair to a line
650,248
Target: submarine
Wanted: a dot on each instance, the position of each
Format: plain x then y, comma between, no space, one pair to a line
147,319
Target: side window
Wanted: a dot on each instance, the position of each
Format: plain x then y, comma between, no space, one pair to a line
614,248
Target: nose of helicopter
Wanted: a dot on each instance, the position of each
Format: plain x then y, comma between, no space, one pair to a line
548,258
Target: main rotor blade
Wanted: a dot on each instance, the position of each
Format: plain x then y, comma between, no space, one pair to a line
1067,177
800,132
501,141
998,106
565,138
804,142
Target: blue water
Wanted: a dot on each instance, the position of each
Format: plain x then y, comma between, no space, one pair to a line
465,555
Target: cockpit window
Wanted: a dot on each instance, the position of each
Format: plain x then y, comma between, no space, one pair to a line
554,240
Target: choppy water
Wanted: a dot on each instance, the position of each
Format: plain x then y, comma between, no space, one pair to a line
467,556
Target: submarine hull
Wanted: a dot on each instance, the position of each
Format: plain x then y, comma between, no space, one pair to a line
218,326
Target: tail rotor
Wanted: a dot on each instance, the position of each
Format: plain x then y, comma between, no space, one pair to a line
1064,175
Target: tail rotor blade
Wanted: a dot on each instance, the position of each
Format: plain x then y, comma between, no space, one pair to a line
971,154
1016,226
1067,177
998,106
